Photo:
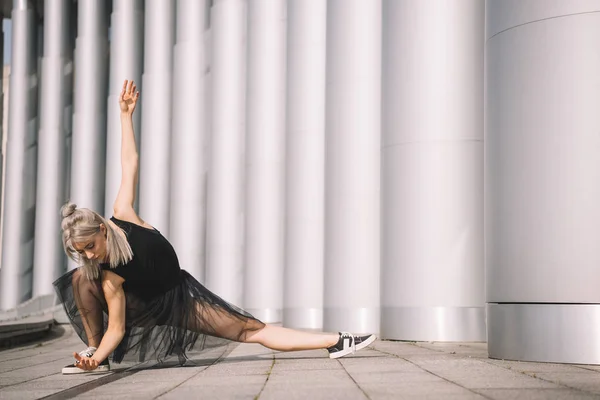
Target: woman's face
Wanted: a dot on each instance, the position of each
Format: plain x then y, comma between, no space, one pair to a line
95,247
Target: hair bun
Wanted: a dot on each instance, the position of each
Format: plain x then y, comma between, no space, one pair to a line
68,209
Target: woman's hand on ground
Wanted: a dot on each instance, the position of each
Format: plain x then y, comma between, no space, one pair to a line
87,364
128,98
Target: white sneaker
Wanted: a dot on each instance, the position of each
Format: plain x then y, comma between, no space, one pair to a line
349,344
74,369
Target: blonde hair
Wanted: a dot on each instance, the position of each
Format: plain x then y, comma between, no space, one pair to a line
81,224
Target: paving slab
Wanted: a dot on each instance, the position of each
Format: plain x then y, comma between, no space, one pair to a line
536,394
386,370
588,381
470,373
419,390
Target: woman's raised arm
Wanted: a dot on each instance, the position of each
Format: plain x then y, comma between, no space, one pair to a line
123,206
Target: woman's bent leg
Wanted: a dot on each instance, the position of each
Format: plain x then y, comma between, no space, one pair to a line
88,295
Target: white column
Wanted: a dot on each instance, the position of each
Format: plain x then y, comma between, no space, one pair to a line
353,150
305,165
3,93
155,148
225,229
49,258
19,206
89,107
126,58
190,127
542,180
265,159
432,260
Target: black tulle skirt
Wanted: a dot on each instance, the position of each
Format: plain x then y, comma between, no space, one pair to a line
186,318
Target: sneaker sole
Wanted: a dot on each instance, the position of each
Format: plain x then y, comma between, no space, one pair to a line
340,353
74,371
366,342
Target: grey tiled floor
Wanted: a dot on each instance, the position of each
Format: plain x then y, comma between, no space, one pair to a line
386,370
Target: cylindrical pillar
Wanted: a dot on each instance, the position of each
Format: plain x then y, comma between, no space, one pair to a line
190,127
126,61
89,107
265,157
543,180
432,169
19,206
353,129
305,165
49,257
2,134
155,148
225,224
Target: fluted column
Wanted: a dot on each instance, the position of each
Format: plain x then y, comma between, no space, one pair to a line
224,268
190,126
305,165
21,163
126,61
49,258
432,261
353,150
155,148
265,157
88,158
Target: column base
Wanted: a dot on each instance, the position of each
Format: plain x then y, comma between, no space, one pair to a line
560,333
434,324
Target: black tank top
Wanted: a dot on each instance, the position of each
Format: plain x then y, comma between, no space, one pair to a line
154,268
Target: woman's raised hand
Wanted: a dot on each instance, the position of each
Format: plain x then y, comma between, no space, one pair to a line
129,97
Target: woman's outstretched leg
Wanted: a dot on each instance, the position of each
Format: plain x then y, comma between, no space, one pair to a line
285,339
217,321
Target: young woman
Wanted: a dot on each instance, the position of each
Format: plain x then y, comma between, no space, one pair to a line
129,295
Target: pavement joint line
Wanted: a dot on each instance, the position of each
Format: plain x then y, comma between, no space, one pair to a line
534,375
215,362
586,368
487,361
29,380
434,374
353,380
29,366
87,386
268,376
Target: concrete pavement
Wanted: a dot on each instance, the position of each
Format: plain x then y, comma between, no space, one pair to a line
385,370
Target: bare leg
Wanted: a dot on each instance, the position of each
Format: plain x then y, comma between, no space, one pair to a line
285,339
87,296
216,321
